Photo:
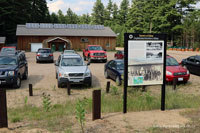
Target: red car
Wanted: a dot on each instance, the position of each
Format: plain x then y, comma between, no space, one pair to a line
174,70
94,52
119,55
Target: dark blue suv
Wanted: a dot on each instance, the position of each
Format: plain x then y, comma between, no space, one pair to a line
13,68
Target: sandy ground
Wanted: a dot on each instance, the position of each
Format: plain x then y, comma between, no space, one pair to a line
42,76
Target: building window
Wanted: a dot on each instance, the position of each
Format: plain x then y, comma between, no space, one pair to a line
107,45
84,40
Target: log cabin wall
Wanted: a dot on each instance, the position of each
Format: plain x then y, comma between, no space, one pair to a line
108,43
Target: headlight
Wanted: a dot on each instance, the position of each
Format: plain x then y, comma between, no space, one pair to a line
87,74
188,72
63,75
92,54
168,73
11,73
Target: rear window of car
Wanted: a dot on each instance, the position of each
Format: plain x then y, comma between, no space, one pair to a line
7,49
44,51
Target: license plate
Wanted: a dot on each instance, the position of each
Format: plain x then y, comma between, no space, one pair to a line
76,80
45,56
180,79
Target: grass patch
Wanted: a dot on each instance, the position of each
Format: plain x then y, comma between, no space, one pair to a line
61,117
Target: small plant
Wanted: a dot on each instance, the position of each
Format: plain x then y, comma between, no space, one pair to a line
46,102
114,90
25,100
80,112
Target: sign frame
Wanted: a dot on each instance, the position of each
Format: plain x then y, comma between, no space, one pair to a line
143,37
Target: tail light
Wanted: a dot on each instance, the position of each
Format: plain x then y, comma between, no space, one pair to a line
38,54
51,55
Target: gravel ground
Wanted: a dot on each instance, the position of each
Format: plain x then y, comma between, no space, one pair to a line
42,76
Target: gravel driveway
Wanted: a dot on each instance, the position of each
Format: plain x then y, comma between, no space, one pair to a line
42,76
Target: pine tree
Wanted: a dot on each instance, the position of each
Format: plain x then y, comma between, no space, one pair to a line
123,12
98,13
61,17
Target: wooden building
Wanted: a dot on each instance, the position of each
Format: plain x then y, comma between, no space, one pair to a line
58,37
2,42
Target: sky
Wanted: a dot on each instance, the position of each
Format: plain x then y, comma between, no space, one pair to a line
78,6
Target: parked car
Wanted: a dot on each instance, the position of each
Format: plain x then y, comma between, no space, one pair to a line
13,68
44,55
192,63
114,69
94,52
174,70
8,49
119,54
72,69
68,51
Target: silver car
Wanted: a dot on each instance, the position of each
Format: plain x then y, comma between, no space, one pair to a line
72,69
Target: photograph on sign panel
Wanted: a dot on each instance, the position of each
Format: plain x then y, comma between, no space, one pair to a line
154,50
145,52
145,74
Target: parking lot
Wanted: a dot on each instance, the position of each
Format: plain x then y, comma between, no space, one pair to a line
42,76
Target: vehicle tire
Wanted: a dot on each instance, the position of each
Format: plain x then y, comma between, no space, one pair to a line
106,74
25,75
105,60
118,81
84,57
37,61
185,82
89,84
56,76
59,85
18,83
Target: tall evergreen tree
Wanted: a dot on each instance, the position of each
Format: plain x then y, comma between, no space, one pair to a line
108,13
85,19
124,11
71,17
61,17
98,13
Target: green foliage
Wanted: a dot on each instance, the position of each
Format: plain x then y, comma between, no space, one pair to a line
46,101
80,112
98,13
114,90
26,100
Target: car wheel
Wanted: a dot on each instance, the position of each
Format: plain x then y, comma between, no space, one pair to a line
106,74
59,85
105,60
37,61
89,84
84,57
25,76
18,83
118,81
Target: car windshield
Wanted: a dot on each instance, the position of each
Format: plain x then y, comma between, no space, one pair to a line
7,49
44,51
72,62
120,65
8,61
171,62
95,48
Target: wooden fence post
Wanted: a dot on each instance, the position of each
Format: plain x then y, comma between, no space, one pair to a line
96,105
3,109
30,90
108,87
